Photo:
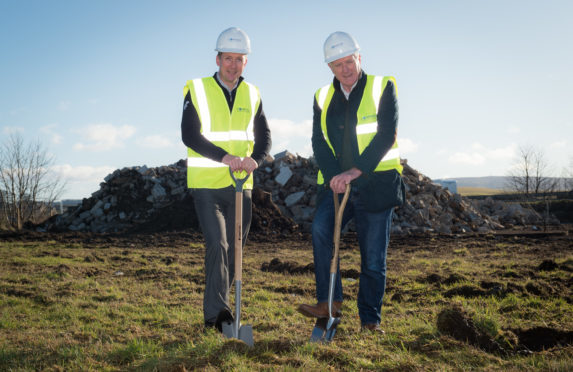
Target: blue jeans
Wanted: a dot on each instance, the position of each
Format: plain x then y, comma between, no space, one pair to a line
373,231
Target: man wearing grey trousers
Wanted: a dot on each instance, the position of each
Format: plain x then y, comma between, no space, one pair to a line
224,127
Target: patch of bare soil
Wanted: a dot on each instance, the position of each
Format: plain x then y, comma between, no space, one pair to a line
268,223
542,338
456,323
288,267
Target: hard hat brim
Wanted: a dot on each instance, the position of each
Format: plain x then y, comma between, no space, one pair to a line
232,50
341,55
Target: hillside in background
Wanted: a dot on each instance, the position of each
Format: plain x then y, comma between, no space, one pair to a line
490,182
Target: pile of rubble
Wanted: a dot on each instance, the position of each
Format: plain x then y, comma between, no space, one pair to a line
284,199
429,207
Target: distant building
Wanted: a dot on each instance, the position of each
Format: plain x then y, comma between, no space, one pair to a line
451,185
66,204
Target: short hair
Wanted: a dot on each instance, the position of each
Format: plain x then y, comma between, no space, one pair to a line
354,55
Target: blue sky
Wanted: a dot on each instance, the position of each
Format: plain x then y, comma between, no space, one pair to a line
100,82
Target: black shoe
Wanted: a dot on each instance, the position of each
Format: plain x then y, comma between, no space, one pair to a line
208,325
224,316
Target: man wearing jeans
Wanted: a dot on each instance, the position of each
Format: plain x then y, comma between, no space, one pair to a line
354,142
224,127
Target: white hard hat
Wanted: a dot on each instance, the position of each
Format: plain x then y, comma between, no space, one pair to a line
233,40
339,44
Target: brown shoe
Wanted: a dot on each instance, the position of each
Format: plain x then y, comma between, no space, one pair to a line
374,328
320,310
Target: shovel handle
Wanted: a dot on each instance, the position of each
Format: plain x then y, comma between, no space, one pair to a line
238,224
239,182
338,212
238,235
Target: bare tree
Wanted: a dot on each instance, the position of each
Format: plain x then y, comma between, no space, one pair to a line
28,188
568,176
530,172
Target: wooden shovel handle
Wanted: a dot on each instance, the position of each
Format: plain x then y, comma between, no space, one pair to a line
338,212
238,224
238,235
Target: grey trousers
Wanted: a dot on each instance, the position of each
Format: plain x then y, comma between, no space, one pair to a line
215,210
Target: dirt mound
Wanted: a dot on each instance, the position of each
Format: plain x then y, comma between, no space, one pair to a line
466,291
547,265
542,338
176,216
459,325
142,199
155,200
454,322
268,222
278,266
287,267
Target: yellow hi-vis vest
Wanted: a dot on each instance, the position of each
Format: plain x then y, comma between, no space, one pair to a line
367,124
231,131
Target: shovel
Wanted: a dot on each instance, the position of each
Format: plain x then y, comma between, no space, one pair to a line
326,329
236,330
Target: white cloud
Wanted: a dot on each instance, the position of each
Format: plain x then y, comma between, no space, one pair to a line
82,173
154,142
18,111
479,154
48,131
296,138
558,145
507,152
81,181
465,158
102,137
12,130
291,136
407,146
287,128
513,130
64,105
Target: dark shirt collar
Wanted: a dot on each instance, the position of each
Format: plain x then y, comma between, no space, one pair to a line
223,86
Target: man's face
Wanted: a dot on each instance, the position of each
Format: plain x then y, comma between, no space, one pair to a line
346,70
231,67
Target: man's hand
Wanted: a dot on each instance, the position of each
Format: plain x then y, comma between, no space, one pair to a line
237,164
338,183
234,162
249,165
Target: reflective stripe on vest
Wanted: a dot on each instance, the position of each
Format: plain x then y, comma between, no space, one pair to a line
367,120
232,131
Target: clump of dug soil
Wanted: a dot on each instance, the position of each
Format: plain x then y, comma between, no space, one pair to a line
456,323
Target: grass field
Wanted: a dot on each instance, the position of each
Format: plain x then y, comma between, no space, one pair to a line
475,191
110,304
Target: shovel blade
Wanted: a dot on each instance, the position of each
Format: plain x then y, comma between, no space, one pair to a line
331,330
228,330
319,330
317,334
246,334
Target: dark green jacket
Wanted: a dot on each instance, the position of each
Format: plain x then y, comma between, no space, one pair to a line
378,190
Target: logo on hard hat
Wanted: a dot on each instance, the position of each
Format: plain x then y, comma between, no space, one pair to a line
336,45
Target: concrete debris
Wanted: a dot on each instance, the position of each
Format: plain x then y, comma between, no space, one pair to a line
136,198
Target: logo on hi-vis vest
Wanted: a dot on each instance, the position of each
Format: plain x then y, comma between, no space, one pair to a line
369,117
243,109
